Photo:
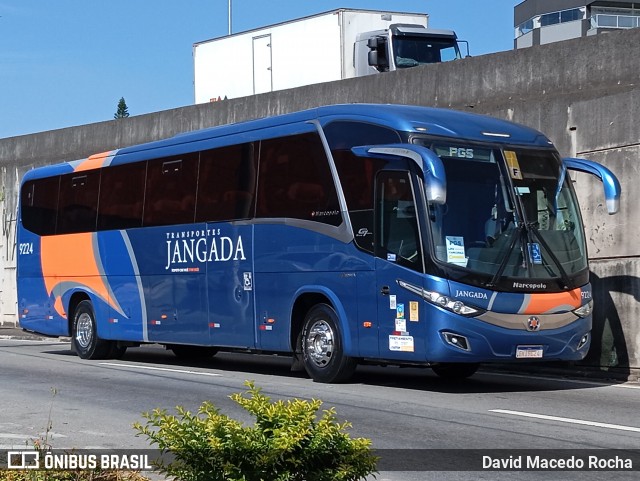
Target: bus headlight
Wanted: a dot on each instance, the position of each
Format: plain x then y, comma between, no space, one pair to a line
440,300
585,310
455,306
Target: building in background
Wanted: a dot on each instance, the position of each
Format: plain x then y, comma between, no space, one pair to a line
538,22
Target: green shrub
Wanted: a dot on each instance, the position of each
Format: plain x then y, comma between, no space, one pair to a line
288,442
78,475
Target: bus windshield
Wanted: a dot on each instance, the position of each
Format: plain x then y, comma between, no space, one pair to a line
509,213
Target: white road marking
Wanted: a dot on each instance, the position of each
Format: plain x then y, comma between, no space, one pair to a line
625,385
14,436
567,420
151,368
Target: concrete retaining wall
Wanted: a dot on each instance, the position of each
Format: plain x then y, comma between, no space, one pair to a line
582,93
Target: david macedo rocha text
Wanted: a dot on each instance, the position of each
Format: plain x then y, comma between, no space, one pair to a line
536,462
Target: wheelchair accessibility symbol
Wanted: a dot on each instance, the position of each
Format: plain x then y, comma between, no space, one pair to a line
248,281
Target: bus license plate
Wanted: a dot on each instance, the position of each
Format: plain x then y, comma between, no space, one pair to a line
529,352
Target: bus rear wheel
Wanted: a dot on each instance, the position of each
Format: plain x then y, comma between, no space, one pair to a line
455,370
322,347
84,334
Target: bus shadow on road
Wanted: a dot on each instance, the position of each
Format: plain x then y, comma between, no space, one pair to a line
489,379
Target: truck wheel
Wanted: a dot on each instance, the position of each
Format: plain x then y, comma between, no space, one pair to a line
455,370
84,335
322,348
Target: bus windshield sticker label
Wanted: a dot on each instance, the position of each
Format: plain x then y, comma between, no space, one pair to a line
401,325
513,164
534,253
401,343
391,257
455,251
400,311
392,302
413,311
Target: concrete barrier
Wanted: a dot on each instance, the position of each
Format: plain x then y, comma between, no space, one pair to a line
582,93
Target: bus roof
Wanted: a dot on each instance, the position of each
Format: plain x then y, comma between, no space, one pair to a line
408,118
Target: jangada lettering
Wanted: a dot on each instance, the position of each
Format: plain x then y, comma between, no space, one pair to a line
204,249
472,294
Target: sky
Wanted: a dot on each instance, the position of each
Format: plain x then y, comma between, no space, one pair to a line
68,62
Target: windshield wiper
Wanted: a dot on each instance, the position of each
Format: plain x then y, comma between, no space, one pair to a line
516,237
533,229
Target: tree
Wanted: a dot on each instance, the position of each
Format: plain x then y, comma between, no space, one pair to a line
123,110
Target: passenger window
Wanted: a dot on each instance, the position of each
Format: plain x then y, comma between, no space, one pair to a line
39,205
121,196
78,204
227,184
295,180
171,190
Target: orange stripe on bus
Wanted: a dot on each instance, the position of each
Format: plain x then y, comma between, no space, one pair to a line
94,161
71,258
552,302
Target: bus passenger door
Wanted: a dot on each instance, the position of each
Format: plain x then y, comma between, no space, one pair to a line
399,267
230,285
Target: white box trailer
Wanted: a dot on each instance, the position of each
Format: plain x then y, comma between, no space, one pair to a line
329,46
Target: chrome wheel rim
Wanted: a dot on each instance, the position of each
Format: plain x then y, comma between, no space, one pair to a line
319,343
84,330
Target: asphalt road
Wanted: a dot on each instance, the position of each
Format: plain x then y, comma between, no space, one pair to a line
407,413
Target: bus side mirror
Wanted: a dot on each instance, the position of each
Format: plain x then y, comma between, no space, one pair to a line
612,189
435,182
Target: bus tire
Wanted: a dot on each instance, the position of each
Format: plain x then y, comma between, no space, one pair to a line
322,347
84,334
193,353
455,370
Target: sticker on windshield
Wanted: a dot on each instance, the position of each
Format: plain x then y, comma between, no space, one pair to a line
455,251
534,253
513,164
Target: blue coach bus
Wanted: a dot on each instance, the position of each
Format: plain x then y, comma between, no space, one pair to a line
338,235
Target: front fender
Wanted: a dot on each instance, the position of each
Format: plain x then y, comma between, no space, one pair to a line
350,349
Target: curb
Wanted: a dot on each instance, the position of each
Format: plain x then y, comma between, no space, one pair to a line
20,334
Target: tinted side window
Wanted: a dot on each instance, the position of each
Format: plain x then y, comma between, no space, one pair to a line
78,204
121,196
346,134
171,190
295,180
357,174
227,183
39,202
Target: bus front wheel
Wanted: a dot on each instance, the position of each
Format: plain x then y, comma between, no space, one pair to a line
84,334
455,370
322,348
